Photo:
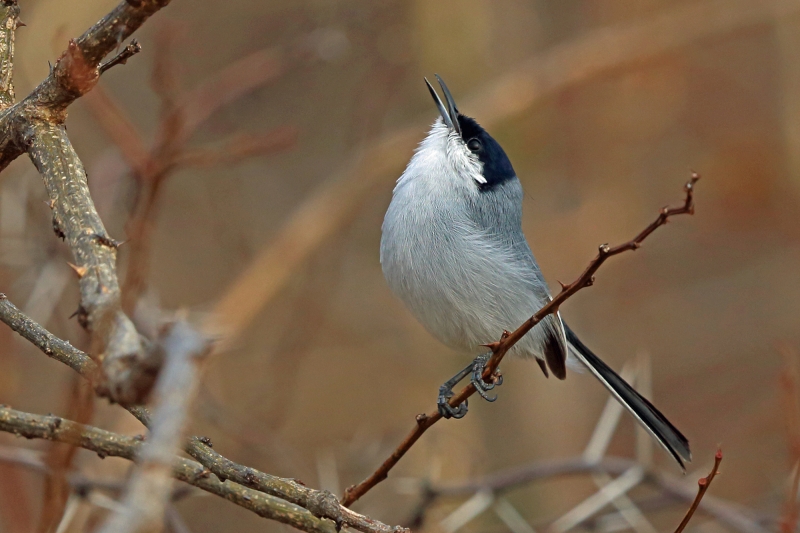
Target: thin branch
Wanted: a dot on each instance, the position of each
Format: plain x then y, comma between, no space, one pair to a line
320,502
702,487
9,21
501,347
105,444
53,347
121,58
180,118
149,488
199,448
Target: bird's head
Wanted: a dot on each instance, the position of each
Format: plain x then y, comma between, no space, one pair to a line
459,145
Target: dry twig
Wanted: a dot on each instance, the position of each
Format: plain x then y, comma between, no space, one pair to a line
501,347
702,487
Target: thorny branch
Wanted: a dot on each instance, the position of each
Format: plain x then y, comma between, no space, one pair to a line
321,503
702,487
501,347
36,126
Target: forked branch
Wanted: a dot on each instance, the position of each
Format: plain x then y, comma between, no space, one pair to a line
501,347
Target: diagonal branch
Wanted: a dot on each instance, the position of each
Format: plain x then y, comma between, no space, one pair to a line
121,58
129,371
501,347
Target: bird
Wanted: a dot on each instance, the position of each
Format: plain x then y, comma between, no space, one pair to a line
453,250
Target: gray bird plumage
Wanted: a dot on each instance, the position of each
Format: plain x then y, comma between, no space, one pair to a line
452,249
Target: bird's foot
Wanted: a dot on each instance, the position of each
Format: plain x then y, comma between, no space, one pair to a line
443,403
478,366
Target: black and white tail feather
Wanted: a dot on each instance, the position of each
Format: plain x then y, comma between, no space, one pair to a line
642,410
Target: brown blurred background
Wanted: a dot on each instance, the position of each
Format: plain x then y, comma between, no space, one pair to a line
331,370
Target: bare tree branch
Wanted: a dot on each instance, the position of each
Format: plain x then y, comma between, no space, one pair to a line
501,347
53,347
320,502
324,504
105,444
121,58
726,512
129,370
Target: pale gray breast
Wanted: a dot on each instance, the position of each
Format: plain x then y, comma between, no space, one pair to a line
461,263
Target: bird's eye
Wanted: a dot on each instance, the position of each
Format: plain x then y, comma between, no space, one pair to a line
474,145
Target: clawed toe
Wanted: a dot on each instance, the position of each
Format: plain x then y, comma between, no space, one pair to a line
447,410
482,386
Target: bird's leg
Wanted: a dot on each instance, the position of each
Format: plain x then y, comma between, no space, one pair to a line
446,392
478,366
475,368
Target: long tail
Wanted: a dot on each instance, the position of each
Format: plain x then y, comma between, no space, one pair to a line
648,416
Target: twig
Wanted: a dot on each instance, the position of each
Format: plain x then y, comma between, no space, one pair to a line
501,347
121,58
703,485
198,447
53,347
105,443
148,491
35,125
181,116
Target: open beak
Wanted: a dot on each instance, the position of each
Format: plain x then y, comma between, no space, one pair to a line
449,113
